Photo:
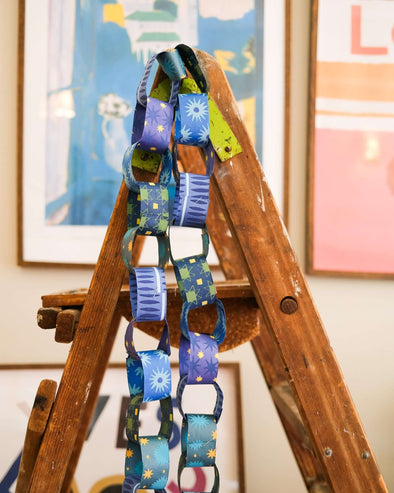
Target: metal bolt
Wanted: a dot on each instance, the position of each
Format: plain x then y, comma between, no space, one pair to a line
227,149
365,455
288,305
327,452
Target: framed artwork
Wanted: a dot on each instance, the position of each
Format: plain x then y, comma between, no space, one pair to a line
351,135
105,445
80,65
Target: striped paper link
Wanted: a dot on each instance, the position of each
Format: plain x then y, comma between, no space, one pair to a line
198,439
198,358
148,294
192,125
191,200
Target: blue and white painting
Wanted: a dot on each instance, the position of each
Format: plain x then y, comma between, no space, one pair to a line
97,50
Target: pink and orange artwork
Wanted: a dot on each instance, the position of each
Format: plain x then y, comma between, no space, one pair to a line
351,194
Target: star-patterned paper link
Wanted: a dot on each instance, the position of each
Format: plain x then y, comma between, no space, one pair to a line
192,125
198,358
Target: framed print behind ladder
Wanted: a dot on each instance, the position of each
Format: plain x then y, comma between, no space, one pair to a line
351,139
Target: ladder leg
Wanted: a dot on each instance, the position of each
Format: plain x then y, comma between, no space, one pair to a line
91,403
83,361
281,291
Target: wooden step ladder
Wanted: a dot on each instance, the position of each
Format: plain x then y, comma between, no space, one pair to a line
287,334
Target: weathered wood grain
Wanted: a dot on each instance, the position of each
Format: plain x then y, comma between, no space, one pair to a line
321,394
84,358
35,429
66,325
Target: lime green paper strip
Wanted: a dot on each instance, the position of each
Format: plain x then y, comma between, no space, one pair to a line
223,139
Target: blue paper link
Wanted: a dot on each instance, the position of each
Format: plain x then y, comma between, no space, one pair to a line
198,358
148,294
191,200
150,374
192,120
152,125
171,63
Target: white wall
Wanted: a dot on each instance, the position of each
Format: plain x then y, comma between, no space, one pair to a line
357,313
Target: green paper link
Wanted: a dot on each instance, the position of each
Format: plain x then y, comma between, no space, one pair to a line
224,141
149,209
133,412
195,281
128,163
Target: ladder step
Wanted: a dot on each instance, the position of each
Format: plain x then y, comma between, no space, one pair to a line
282,396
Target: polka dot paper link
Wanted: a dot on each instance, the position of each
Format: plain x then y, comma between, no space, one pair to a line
149,213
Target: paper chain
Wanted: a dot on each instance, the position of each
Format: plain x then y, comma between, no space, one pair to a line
149,213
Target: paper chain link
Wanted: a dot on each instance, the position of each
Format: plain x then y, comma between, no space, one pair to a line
149,214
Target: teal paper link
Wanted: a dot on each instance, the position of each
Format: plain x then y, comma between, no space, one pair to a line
198,440
195,281
181,467
127,249
148,461
128,175
172,64
219,332
192,120
217,411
